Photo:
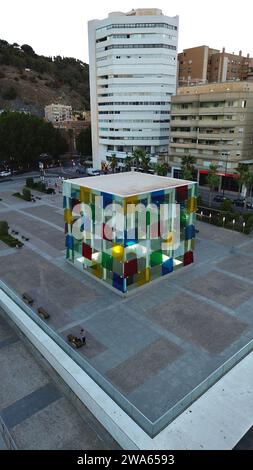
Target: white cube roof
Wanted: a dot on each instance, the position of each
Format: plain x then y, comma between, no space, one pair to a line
129,183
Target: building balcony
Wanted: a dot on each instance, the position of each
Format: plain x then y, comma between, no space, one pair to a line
182,146
184,135
215,136
184,112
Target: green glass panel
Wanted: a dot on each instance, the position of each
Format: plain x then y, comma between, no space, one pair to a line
156,258
148,218
107,261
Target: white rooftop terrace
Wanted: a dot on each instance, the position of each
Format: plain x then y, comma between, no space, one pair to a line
129,183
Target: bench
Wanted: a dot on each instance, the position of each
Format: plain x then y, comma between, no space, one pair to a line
26,297
43,313
76,342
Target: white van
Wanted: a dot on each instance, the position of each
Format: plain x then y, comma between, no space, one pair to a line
92,172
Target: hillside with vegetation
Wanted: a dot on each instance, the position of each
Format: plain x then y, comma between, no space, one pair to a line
28,82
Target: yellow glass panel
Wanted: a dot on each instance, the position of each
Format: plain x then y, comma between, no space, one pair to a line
68,216
130,200
84,194
118,252
97,270
192,204
143,277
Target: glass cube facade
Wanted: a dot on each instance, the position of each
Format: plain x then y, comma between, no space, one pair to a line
124,247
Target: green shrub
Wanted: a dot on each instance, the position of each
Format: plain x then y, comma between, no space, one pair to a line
27,194
4,227
9,93
50,191
226,206
249,221
29,182
40,186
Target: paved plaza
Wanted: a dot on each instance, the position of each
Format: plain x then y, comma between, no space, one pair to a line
158,344
33,407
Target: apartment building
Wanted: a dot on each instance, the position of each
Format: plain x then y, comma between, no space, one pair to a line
213,123
58,113
133,63
206,65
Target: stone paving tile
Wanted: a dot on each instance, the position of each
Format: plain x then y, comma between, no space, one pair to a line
58,427
119,332
138,368
6,342
221,288
46,233
241,265
46,419
17,368
5,330
36,275
30,404
91,348
2,444
47,213
221,236
3,246
198,322
247,249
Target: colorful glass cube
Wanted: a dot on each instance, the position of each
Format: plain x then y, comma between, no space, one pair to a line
139,249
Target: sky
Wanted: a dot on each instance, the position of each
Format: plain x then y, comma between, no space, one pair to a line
59,27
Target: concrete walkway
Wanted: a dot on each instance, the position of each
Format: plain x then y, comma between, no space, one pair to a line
34,408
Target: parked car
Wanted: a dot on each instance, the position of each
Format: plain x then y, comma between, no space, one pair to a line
92,172
5,173
239,202
220,198
81,171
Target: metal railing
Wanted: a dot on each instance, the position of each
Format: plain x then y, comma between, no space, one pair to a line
152,428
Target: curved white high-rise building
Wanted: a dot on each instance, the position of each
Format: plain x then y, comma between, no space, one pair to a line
133,62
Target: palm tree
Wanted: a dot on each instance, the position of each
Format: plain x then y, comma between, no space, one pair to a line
138,154
212,179
128,162
162,169
243,178
145,163
187,167
114,163
250,183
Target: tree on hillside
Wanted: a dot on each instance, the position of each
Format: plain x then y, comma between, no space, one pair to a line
83,142
62,71
27,49
24,137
